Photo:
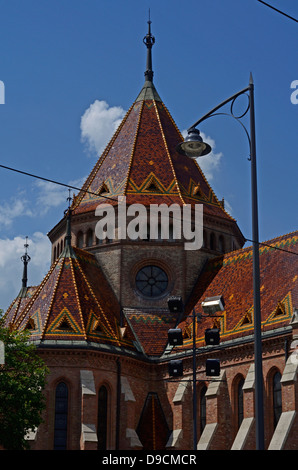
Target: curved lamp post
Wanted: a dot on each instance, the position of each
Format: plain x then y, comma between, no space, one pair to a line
193,147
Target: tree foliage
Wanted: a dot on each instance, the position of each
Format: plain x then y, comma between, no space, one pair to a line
22,380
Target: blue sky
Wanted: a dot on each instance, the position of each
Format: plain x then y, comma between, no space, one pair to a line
71,68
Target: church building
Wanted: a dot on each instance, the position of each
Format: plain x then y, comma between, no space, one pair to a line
120,322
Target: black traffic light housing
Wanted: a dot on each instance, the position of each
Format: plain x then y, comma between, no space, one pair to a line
175,304
176,368
212,367
175,337
212,336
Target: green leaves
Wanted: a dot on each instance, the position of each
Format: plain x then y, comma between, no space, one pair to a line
22,380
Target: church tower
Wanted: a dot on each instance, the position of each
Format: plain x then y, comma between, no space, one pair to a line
141,165
100,317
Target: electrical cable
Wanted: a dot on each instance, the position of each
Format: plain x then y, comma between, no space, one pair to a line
279,11
107,197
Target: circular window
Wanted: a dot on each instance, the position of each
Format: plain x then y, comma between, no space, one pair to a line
151,281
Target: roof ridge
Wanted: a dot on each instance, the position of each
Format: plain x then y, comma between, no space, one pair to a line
36,293
167,152
100,161
95,299
77,296
133,148
53,296
197,165
266,244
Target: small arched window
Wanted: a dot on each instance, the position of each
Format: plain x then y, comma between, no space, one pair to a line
61,413
240,402
212,242
277,398
89,237
221,244
203,408
204,239
80,240
102,418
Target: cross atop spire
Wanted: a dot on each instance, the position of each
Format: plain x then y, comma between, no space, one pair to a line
149,40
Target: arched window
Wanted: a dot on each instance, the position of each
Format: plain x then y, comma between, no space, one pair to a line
240,402
90,237
102,418
221,244
61,412
55,253
204,239
212,242
277,399
80,240
203,408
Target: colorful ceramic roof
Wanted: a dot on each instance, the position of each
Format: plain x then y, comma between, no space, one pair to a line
141,163
73,302
150,328
231,276
19,304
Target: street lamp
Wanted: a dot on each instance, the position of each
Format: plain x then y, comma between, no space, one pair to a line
193,146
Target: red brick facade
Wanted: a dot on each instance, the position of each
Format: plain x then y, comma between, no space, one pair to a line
106,342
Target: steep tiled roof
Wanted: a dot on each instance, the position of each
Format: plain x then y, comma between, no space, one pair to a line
151,327
141,162
19,304
231,276
73,302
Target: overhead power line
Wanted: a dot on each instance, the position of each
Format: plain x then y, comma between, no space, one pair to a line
107,197
278,11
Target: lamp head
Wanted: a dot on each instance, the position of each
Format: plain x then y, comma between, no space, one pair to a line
193,145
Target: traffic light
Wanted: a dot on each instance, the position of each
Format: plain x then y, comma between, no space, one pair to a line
212,336
176,368
212,367
175,304
175,337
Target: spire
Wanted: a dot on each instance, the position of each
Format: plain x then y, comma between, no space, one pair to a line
148,91
68,223
68,251
25,258
149,40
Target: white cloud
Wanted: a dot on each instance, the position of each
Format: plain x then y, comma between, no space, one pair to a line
99,123
11,266
15,207
54,195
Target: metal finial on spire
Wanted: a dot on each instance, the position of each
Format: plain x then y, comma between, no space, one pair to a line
68,222
25,258
149,40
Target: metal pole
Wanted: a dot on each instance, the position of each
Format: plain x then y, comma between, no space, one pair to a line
259,408
194,380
